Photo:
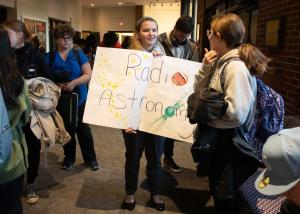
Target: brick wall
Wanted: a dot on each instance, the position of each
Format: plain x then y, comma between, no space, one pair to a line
284,75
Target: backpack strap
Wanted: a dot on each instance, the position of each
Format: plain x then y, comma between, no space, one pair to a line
222,76
51,58
76,55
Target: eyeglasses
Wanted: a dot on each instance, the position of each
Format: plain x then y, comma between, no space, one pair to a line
209,32
66,38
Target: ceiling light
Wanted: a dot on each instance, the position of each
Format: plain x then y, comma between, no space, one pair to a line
92,5
120,3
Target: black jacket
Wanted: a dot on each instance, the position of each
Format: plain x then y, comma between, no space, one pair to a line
190,48
31,63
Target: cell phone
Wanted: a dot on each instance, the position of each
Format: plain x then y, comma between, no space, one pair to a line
32,71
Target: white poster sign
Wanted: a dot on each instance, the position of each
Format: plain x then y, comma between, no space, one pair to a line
166,114
131,88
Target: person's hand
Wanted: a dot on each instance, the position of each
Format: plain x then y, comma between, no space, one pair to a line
61,85
130,131
69,86
210,56
156,53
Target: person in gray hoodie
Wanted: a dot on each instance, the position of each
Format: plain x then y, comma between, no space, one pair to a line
230,68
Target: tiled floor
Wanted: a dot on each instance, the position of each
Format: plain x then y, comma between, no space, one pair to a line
83,191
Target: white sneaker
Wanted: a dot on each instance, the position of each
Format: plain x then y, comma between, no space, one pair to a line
31,194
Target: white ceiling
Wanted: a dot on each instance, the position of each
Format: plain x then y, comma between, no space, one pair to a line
114,3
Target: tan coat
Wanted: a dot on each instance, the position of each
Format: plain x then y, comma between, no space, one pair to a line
46,123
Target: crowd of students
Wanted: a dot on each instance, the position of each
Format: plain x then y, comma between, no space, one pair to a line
230,167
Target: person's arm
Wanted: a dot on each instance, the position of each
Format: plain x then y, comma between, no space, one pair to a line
203,76
83,79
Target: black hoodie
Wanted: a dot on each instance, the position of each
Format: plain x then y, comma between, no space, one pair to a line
31,63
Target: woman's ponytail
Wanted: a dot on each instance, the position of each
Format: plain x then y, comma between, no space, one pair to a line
254,59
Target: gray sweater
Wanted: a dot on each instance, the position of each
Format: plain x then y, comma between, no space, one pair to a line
239,89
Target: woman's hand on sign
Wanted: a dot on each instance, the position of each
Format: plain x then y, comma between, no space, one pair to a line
156,53
130,131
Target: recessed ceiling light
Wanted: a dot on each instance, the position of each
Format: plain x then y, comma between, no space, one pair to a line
120,3
92,5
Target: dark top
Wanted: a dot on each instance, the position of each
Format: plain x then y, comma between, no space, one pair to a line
31,63
190,48
289,208
72,66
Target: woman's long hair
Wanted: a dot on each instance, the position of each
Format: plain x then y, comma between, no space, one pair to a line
135,41
254,59
18,26
232,31
11,81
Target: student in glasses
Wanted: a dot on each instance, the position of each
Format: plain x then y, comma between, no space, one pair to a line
230,68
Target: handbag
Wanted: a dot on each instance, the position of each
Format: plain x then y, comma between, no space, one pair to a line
203,148
204,105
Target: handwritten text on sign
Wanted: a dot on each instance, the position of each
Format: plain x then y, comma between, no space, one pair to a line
133,89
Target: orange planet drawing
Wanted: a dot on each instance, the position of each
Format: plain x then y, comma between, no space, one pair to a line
179,79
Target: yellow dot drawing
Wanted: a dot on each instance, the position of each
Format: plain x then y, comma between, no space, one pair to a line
114,86
133,61
106,80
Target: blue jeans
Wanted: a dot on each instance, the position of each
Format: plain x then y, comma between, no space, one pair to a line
135,145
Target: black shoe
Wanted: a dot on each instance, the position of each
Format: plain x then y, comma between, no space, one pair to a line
67,165
93,165
170,164
159,206
128,205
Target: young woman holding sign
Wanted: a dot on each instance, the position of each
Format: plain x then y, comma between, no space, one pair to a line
145,39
